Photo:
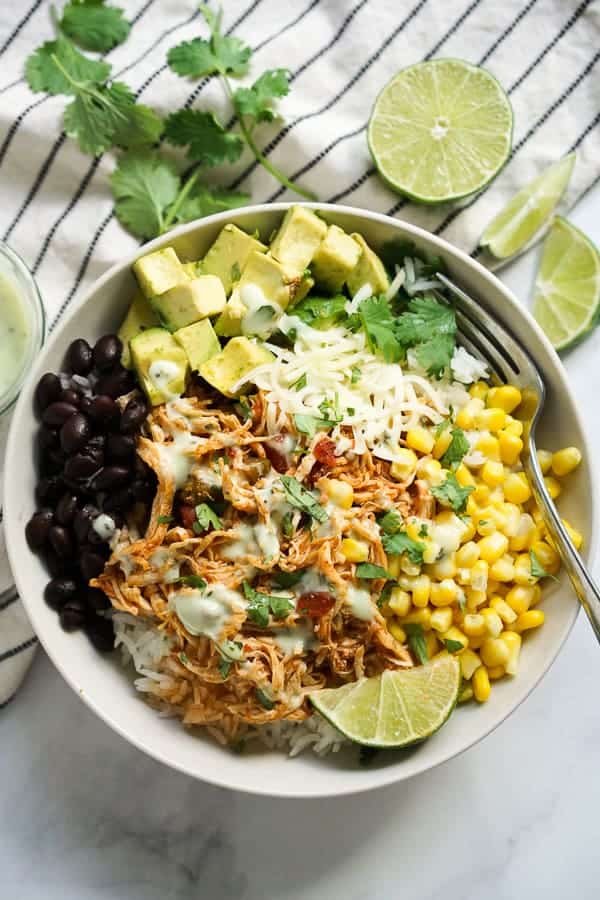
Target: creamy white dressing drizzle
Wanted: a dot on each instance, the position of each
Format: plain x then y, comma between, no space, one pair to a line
360,603
206,612
294,640
168,567
177,457
162,373
262,313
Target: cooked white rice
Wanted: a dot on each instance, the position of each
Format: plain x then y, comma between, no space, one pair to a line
143,646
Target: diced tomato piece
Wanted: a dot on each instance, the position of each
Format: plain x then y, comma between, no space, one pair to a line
324,452
274,453
315,603
187,514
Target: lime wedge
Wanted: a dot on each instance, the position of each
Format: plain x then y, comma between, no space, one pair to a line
567,289
394,709
440,130
528,210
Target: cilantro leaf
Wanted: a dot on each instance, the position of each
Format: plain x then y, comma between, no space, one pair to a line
205,201
402,543
205,517
224,666
43,74
424,317
377,322
435,355
287,525
297,495
288,579
261,605
441,427
416,641
356,374
299,383
206,139
537,569
142,127
391,522
371,571
321,312
450,493
255,101
311,424
165,520
457,448
145,185
193,58
453,646
231,650
94,26
195,581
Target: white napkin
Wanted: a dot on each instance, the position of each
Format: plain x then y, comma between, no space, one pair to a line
56,205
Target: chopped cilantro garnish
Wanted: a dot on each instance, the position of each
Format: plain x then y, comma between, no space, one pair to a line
423,530
416,640
321,312
311,424
457,448
297,495
453,646
164,520
391,522
402,543
451,494
261,605
205,517
288,579
371,571
430,327
224,665
376,319
264,700
441,427
300,383
287,524
195,581
356,374
537,569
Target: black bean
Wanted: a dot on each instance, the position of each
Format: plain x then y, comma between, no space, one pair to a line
120,446
49,490
60,590
132,416
91,563
66,508
74,433
68,395
52,461
36,530
79,357
60,540
81,467
85,405
116,383
107,351
47,438
110,477
82,522
57,566
117,500
58,412
143,491
96,599
101,633
103,410
47,391
72,615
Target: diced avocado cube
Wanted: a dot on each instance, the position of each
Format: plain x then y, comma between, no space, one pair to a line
239,357
298,237
157,272
192,269
229,254
190,301
199,342
334,260
140,317
160,363
304,287
270,277
229,323
368,270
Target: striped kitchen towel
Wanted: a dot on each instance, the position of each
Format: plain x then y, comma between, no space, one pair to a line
56,207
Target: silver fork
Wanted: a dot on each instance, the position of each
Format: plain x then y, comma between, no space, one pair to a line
510,363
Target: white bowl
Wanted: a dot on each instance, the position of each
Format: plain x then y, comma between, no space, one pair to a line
108,689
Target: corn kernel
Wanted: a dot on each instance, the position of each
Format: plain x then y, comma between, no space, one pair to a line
408,567
565,461
492,547
552,486
465,417
469,663
421,590
473,624
502,570
493,622
475,598
492,473
481,495
418,617
454,634
465,695
524,535
476,642
511,447
506,612
576,536
430,470
494,652
464,477
491,419
533,618
399,602
355,551
441,619
339,492
513,642
520,598
481,684
513,426
467,555
506,397
469,530
545,460
547,556
404,465
413,529
431,552
444,593
489,446
420,439
432,644
442,443
479,390
523,574
444,568
397,632
516,488
479,574
393,564
496,672
486,524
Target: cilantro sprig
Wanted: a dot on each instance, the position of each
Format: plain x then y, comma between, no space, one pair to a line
428,326
297,495
416,641
451,494
262,606
457,448
226,58
400,542
94,25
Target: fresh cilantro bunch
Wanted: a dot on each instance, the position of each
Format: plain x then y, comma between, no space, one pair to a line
205,137
428,326
93,25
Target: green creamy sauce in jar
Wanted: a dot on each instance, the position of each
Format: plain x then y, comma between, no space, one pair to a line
15,333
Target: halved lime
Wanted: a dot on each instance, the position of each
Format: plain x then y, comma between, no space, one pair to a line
440,130
567,289
394,709
528,210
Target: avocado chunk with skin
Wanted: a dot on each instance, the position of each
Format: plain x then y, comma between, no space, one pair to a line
159,271
160,363
334,260
140,317
229,254
368,270
199,342
189,302
300,234
239,357
261,274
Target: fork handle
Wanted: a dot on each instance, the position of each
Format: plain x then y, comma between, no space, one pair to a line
584,586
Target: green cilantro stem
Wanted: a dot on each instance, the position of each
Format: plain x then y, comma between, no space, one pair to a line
181,196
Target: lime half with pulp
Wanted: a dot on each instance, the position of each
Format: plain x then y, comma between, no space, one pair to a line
396,708
567,289
440,130
528,210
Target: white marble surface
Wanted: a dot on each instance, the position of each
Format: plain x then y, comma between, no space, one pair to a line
84,816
